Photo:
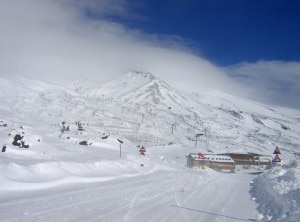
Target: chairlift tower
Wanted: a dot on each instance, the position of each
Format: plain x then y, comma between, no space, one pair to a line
198,135
173,126
143,118
121,142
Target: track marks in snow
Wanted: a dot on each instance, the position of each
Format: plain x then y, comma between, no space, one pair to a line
219,199
176,196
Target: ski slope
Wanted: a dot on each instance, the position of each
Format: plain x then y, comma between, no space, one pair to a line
174,194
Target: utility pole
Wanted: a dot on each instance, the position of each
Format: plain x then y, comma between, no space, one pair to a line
173,126
120,141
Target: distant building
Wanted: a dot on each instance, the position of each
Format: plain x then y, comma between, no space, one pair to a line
262,159
226,162
250,158
241,158
222,163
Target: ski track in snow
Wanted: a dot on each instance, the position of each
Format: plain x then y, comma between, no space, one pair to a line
162,196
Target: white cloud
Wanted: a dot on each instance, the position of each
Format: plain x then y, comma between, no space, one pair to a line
56,40
275,82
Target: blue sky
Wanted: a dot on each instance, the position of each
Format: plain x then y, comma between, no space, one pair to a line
225,32
249,48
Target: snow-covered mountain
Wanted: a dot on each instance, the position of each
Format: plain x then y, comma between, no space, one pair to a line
143,88
144,109
81,132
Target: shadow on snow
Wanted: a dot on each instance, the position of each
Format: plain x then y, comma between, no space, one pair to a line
220,215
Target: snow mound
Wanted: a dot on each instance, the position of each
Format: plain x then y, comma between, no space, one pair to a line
54,173
277,193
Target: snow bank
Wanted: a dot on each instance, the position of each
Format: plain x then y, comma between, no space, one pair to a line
277,193
43,175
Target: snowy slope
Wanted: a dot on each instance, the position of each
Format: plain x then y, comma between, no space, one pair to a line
142,88
137,109
227,121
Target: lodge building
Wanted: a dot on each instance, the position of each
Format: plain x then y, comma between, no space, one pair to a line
226,162
220,163
249,158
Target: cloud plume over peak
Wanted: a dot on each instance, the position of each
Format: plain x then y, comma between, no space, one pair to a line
68,40
56,39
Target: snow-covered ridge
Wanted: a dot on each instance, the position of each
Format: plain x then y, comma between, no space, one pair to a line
139,87
142,108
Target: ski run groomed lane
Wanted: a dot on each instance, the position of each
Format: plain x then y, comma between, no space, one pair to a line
183,195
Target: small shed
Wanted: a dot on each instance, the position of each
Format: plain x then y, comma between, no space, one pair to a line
222,163
262,159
